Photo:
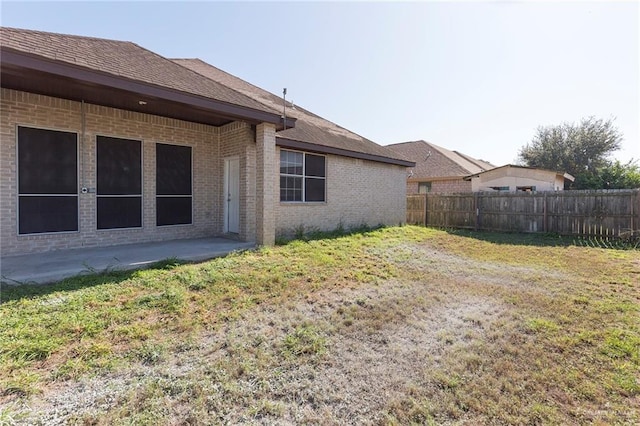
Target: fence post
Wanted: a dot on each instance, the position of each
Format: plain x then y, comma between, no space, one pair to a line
635,213
476,209
545,225
426,210
632,221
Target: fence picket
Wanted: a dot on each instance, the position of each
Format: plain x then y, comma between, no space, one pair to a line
606,213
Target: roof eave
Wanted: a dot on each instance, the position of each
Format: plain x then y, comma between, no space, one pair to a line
435,178
322,149
18,59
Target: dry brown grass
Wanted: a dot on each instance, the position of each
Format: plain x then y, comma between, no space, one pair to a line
398,326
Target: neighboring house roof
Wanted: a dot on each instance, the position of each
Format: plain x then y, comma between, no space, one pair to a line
108,70
436,162
485,165
311,131
504,169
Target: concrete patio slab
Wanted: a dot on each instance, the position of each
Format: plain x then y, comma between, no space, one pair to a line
40,268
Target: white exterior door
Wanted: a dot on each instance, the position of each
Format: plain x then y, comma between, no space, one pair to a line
232,195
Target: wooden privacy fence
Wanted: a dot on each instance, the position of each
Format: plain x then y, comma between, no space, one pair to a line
607,213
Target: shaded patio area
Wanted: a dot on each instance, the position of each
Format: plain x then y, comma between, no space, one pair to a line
40,268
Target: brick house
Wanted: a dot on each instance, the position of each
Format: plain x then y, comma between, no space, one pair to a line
104,142
438,169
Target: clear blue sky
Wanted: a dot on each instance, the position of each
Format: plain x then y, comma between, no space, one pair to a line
475,77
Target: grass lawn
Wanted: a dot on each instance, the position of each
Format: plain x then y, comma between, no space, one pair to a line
394,326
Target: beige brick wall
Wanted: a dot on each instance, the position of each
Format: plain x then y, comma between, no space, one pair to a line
446,185
358,192
20,108
267,184
453,185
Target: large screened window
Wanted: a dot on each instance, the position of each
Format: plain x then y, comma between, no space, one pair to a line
173,185
302,177
47,181
119,175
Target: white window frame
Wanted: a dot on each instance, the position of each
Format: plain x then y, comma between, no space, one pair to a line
304,177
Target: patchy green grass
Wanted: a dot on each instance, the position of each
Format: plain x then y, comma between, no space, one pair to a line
305,340
391,326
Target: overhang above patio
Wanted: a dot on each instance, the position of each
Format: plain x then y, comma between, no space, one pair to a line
37,74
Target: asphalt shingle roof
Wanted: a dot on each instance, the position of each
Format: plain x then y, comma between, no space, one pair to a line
309,127
433,161
123,59
128,60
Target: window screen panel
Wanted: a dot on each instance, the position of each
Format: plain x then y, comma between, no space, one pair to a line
173,170
290,188
314,165
173,211
47,161
314,189
119,166
119,212
291,162
47,214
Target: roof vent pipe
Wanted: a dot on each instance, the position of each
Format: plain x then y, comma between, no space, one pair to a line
284,108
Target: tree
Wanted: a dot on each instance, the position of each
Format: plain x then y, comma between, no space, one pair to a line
615,175
581,150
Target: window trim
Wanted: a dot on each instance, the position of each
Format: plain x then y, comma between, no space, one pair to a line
303,176
156,195
17,126
526,188
427,184
120,196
